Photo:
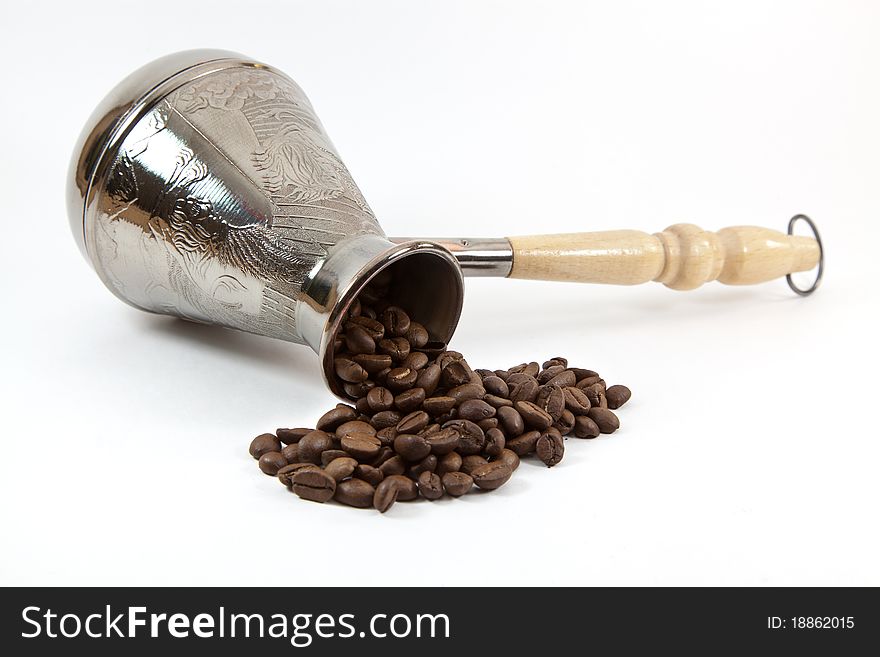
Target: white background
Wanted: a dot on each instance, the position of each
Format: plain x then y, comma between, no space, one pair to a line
749,453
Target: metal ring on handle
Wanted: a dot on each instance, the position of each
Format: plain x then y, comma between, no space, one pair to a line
821,270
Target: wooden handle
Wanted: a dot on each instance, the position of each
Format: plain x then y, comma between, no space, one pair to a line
682,257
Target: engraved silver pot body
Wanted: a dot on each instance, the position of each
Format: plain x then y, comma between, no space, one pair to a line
205,187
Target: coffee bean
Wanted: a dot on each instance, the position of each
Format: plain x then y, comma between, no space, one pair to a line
407,488
385,419
387,435
438,405
563,379
361,446
494,442
263,444
596,394
550,447
289,436
355,492
466,391
616,396
291,452
472,462
395,320
286,473
358,341
313,484
576,400
457,483
397,348
385,495
444,441
362,406
369,474
430,429
417,335
588,381
558,360
491,475
427,464
448,357
358,390
495,386
341,468
525,389
329,455
411,447
354,426
524,443
552,401
430,486
584,427
533,416
509,457
393,466
349,371
373,327
497,402
605,419
428,379
488,423
400,379
450,462
472,439
415,361
413,423
409,400
502,374
455,374
549,372
271,462
380,399
385,454
312,444
475,410
581,373
565,423
373,363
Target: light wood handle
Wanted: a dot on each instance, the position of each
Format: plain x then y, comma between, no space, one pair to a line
682,257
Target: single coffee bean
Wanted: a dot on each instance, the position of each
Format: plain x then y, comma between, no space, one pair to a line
291,452
552,401
509,457
428,379
559,360
563,379
616,396
491,475
355,492
466,392
413,423
471,462
263,444
450,462
495,386
415,361
443,441
358,341
496,401
312,444
446,417
532,369
380,399
430,486
289,436
385,419
586,382
525,389
369,474
476,378
393,466
524,444
580,373
427,464
341,468
475,410
457,483
430,429
397,348
488,423
387,435
550,447
448,357
362,446
358,390
349,371
315,485
565,423
271,462
354,426
549,372
395,320
494,442
584,427
502,374
596,394
411,447
373,363
576,400
409,400
417,335
329,455
472,439
373,327
286,473
400,379
407,488
533,416
435,406
605,419
455,374
362,406
385,495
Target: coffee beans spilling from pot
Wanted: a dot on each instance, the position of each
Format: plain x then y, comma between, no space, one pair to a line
423,423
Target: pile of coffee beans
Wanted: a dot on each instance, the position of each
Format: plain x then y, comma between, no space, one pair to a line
423,423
